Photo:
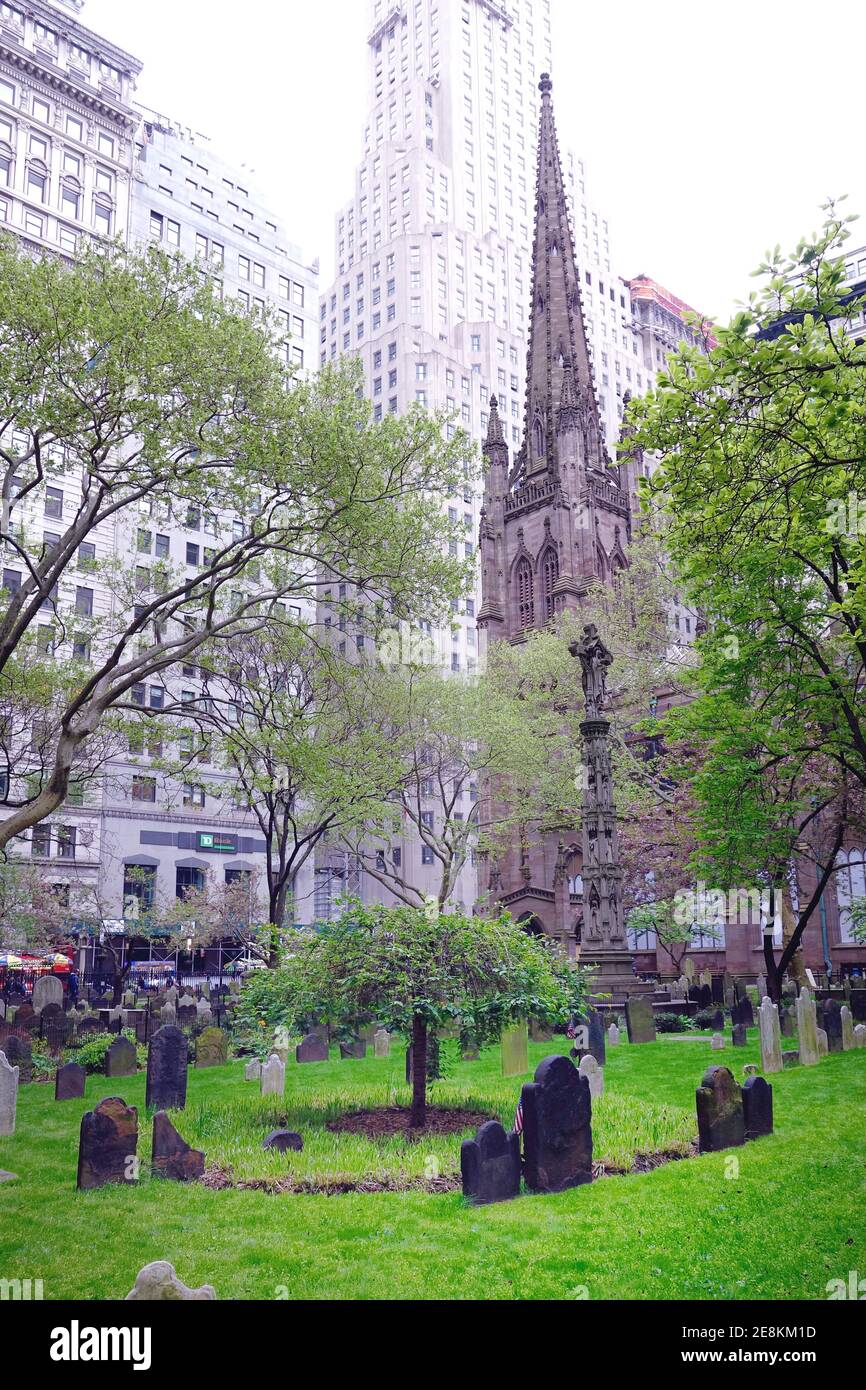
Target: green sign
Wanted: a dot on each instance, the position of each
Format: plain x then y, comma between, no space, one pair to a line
215,843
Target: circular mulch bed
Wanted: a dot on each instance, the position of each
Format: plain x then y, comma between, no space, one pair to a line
396,1119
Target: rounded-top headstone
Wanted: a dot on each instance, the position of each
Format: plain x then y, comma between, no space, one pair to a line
283,1140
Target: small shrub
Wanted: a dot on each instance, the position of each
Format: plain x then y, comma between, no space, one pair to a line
705,1018
90,1052
671,1023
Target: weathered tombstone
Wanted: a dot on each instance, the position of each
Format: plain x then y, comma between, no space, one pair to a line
738,1035
490,1165
353,1050
284,1141
786,1022
515,1051
717,1042
382,1043
757,1107
831,1019
857,1004
719,1105
750,1069
110,1020
121,1058
106,1148
203,1012
595,1043
69,1082
167,1063
594,1074
471,1053
253,1071
791,1058
47,990
823,1042
171,1156
639,1020
717,990
717,1022
89,1025
807,1029
847,1028
860,1034
771,1038
186,1010
705,978
25,1016
706,996
168,1014
557,1127
158,1282
273,1076
538,1033
747,1013
810,979
613,1035
8,1095
211,1048
689,969
314,1048
19,1053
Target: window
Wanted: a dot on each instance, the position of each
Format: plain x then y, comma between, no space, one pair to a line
86,555
193,795
143,788
75,128
549,576
850,884
40,842
84,602
102,218
36,185
54,503
526,609
192,553
186,879
66,838
139,887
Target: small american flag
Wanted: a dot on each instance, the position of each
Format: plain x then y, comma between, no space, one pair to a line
518,1118
570,1030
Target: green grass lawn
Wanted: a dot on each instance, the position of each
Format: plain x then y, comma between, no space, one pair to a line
791,1219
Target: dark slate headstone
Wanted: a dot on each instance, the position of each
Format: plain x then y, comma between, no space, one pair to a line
791,1058
717,989
757,1107
314,1048
89,1025
19,1053
720,1111
69,1082
56,1030
596,1041
830,1020
490,1165
284,1140
718,1020
557,1127
109,1024
639,1020
187,1014
25,1016
858,1005
109,1139
121,1058
706,996
738,1035
171,1157
434,1070
167,1062
786,1022
353,1050
211,1048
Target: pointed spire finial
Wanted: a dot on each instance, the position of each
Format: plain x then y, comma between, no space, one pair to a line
545,86
495,433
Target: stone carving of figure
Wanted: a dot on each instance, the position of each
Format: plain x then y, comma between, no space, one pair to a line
594,660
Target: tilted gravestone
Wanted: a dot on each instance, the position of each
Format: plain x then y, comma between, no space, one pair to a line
515,1050
167,1064
823,1045
860,1034
19,1053
47,990
757,1107
253,1071
212,1048
857,1004
847,1028
353,1050
771,1037
594,1074
807,1029
490,1165
719,1104
284,1141
831,1020
313,1048
557,1127
107,1145
121,1058
273,1076
69,1082
171,1156
595,1038
639,1020
9,1076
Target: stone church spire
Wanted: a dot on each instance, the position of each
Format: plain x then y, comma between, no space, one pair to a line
559,386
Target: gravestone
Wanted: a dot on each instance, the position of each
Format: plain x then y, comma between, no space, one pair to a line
791,1058
381,1043
515,1050
595,1042
353,1050
171,1156
47,990
717,990
253,1071
168,1015
557,1127
860,1034
771,1038
742,1012
810,979
757,1107
110,1020
689,969
706,996
470,1053
121,1058
823,1042
719,1104
831,1020
107,1145
807,1029
705,978
69,1082
55,1027
211,1048
8,1095
857,1004
186,1010
167,1063
314,1048
738,1035
761,986
89,1025
750,1069
273,1076
639,1020
490,1165
717,1042
19,1053
538,1033
786,1022
157,1282
613,1035
717,1021
284,1141
25,1016
847,1028
594,1074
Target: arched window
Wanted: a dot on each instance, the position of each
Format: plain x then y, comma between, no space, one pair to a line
526,607
538,437
549,576
850,885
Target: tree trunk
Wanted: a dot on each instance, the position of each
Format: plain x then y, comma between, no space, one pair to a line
796,965
419,1073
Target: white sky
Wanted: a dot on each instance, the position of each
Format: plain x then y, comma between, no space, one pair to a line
710,131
